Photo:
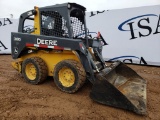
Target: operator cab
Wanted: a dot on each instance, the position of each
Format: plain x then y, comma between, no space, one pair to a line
60,20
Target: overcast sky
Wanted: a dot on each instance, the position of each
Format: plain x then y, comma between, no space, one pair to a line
16,7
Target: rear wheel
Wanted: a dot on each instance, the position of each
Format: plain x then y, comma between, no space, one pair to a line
69,75
34,70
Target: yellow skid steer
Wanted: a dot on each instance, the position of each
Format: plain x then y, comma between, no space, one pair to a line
58,45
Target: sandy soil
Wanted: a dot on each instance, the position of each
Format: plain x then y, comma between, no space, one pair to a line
19,100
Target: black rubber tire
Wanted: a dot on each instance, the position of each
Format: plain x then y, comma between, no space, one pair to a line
41,70
79,73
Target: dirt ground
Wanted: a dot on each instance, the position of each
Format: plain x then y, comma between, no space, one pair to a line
22,101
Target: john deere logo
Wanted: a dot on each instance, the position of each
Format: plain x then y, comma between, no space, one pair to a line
46,42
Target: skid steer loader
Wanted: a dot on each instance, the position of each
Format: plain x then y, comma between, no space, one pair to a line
59,45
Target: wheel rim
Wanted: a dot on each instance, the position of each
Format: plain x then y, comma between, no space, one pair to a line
31,71
66,77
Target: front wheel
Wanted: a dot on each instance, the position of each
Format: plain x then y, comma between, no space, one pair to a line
69,75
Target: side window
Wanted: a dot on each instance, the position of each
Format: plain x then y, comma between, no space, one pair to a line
53,24
28,26
77,23
78,27
48,22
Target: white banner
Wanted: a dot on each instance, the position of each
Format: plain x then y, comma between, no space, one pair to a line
133,34
6,27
